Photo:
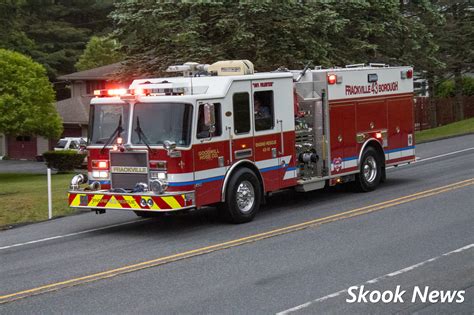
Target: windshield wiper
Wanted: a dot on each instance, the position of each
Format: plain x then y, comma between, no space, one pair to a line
141,135
118,131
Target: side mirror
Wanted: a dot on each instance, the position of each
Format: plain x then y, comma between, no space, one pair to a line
209,115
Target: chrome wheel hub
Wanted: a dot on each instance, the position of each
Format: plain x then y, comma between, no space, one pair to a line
245,196
369,169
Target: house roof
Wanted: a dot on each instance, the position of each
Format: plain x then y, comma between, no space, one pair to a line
100,73
74,110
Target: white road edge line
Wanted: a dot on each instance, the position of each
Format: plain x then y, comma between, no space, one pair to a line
71,234
375,280
114,225
446,154
418,160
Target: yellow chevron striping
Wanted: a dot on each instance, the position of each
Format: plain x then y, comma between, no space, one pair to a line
113,203
173,203
95,200
131,202
76,201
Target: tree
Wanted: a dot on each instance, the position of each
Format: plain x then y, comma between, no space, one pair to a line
26,98
456,41
53,32
12,36
156,34
100,51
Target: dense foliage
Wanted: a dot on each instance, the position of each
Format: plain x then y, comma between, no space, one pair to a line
52,32
100,51
435,36
290,33
447,88
26,98
63,161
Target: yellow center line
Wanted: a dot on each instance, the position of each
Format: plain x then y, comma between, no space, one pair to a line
232,243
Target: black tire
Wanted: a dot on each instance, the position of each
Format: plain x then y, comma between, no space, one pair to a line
243,183
370,172
149,214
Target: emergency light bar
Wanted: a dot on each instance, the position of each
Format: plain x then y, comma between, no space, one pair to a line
126,93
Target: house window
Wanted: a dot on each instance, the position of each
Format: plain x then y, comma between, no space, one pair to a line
23,138
94,85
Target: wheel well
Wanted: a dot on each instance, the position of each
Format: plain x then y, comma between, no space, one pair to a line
377,147
234,168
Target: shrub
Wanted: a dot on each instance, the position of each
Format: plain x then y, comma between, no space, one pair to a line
446,88
66,160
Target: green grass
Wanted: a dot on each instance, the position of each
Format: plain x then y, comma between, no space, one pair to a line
457,128
24,197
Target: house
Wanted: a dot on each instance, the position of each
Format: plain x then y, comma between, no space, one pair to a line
74,112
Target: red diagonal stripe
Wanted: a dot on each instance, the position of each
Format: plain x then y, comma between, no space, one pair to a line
180,200
161,203
104,200
122,202
71,197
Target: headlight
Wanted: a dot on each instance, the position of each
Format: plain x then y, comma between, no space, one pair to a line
158,175
100,174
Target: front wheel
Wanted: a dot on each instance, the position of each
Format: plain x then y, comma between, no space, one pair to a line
370,172
243,196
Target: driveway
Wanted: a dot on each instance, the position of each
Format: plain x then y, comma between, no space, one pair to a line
30,167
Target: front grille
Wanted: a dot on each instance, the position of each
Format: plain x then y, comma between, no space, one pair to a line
128,168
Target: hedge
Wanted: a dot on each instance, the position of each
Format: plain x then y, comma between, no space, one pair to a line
65,160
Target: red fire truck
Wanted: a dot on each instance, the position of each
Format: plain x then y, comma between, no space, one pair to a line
225,135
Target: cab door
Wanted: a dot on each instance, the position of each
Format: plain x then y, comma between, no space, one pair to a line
210,154
240,126
267,136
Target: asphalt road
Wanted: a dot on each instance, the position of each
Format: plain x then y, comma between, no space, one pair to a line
424,240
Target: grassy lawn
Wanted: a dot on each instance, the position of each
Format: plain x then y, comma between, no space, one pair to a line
24,197
457,128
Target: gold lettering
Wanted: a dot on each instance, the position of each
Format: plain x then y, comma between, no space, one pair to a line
208,154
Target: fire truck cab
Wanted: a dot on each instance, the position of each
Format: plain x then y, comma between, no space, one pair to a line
226,135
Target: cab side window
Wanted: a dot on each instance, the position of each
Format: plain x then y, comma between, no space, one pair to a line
241,105
263,110
202,129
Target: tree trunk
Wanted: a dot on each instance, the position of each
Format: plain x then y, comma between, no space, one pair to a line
458,102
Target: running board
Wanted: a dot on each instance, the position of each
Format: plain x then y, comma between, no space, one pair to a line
310,185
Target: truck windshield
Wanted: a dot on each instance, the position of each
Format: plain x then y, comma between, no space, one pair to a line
104,119
162,121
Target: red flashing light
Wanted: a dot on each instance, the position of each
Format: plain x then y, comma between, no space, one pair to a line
100,164
410,74
117,92
332,79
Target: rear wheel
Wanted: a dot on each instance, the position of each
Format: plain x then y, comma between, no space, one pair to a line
370,172
243,197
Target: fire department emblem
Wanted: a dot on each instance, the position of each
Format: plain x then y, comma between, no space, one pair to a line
337,164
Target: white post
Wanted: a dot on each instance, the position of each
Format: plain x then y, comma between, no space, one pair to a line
50,201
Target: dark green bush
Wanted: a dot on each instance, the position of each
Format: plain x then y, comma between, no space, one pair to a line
66,160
